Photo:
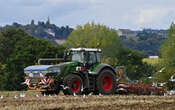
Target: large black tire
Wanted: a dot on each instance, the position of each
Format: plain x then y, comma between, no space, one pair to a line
56,87
106,82
73,84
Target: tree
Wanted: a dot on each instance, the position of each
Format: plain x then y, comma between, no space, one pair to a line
168,58
96,36
8,40
48,21
168,47
135,68
32,22
23,51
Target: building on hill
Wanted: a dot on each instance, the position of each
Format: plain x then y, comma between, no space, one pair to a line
153,57
127,33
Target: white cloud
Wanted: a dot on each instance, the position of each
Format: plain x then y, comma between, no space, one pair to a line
114,13
153,17
147,16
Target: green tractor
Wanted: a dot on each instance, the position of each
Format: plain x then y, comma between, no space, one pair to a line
81,72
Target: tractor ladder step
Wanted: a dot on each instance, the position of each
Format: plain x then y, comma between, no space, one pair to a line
92,81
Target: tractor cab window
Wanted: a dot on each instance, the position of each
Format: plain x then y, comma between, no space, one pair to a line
92,58
77,56
98,57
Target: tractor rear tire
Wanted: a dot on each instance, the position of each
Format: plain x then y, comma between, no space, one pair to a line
73,84
106,82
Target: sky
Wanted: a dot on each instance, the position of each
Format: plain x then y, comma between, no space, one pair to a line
123,14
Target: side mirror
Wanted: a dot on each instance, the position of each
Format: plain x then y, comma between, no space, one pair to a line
64,57
85,63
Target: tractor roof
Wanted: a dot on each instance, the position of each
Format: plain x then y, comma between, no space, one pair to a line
86,49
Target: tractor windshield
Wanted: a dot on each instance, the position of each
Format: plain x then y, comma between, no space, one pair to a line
77,56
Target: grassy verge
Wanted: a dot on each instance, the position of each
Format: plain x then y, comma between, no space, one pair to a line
152,62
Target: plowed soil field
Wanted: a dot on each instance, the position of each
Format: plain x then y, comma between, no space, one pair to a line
35,101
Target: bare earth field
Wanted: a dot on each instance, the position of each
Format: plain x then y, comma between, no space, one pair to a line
35,101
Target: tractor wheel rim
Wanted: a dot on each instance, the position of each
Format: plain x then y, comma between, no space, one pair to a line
76,86
107,83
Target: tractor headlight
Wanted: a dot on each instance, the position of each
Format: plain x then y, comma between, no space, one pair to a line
27,73
30,74
42,74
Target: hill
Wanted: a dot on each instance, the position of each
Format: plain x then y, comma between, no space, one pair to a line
147,41
44,30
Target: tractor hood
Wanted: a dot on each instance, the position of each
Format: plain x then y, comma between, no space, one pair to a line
42,70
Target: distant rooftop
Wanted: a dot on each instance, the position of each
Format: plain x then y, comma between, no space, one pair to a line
85,49
153,57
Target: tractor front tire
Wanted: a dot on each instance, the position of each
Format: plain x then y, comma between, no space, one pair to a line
106,82
73,85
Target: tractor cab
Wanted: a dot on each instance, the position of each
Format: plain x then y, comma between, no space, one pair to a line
86,56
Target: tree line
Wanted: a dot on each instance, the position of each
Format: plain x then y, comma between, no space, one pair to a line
19,50
147,41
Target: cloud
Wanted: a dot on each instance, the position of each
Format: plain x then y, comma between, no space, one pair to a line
152,16
114,13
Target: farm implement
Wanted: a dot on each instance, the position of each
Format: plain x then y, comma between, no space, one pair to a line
81,72
139,89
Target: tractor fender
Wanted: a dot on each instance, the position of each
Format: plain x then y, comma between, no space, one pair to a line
101,67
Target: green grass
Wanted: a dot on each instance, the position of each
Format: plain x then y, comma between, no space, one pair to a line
152,62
